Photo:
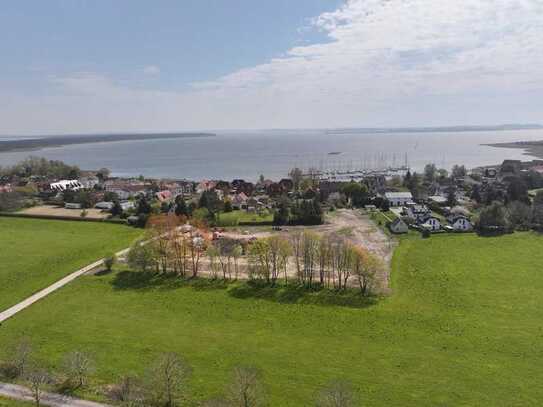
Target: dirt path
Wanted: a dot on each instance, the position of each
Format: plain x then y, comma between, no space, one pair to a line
16,392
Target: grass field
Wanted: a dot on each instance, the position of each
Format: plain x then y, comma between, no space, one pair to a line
34,253
236,217
5,402
463,328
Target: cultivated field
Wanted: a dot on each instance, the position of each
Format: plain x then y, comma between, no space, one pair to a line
462,327
35,253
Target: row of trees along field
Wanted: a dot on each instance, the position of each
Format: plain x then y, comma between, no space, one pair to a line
164,383
304,258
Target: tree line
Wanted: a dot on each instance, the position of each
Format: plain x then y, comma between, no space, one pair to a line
304,258
165,382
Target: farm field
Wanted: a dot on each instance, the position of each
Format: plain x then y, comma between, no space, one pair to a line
35,253
462,328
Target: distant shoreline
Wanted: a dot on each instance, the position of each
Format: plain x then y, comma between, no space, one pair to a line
60,141
533,148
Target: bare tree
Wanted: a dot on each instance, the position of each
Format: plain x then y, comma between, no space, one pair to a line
21,356
38,380
166,380
128,392
78,365
337,394
212,254
237,252
246,389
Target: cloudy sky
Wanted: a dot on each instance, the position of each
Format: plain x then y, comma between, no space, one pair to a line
101,65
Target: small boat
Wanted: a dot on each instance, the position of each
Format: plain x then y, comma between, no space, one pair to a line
335,153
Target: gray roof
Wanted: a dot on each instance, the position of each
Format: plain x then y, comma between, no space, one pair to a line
398,195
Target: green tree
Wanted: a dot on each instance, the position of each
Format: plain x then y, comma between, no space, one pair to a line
181,208
141,257
537,210
357,193
493,218
430,172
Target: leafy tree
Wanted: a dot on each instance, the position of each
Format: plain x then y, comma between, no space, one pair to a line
296,175
210,200
117,209
430,172
111,196
459,171
476,194
143,206
103,174
86,199
357,193
228,205
141,256
537,210
451,196
519,214
493,218
181,208
282,215
517,191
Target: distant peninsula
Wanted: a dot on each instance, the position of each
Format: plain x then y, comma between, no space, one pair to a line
25,144
533,148
444,129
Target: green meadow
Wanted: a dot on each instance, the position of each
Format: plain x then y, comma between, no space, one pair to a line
35,253
463,327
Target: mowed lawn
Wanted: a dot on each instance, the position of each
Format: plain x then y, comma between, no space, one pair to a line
464,327
35,253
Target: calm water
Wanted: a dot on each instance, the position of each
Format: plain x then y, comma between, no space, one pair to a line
273,153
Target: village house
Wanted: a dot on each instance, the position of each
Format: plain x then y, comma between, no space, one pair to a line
105,206
205,185
461,223
417,212
398,226
432,224
396,199
177,188
63,185
274,189
6,188
239,201
89,182
240,185
164,196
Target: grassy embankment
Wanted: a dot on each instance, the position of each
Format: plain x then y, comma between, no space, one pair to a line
35,253
463,327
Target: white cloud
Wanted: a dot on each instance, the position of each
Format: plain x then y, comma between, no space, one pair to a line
386,62
151,70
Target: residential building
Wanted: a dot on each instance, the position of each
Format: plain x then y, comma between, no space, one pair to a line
398,198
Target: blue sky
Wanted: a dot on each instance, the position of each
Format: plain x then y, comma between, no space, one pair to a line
190,40
87,66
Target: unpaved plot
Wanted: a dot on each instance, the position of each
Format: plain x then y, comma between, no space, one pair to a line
50,210
356,227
